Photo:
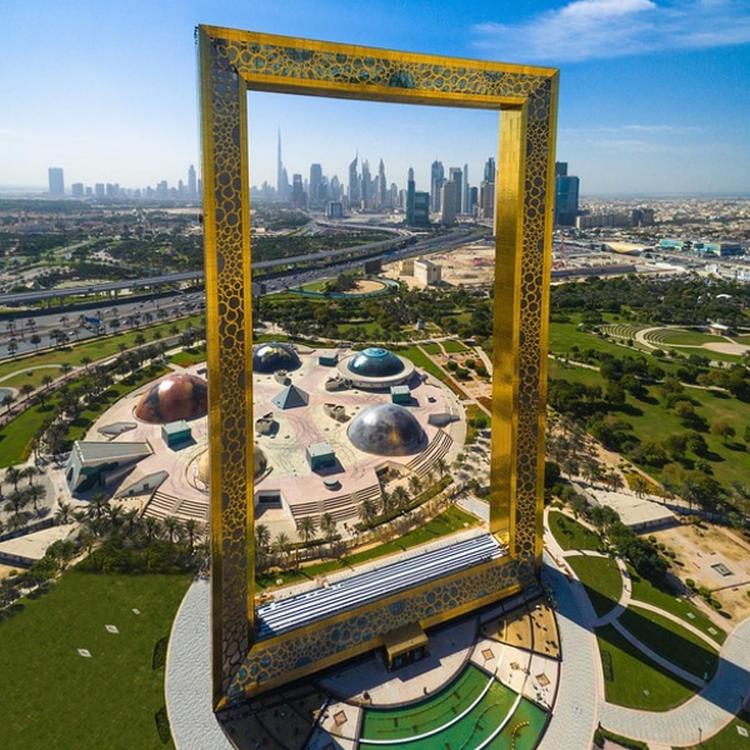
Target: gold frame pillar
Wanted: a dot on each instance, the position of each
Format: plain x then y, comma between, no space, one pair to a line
233,62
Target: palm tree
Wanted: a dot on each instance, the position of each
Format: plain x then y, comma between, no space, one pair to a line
27,389
415,484
66,367
34,493
191,529
442,467
29,472
13,475
115,516
328,526
306,528
7,401
367,510
98,506
47,381
86,361
172,527
130,517
262,537
281,546
17,501
64,513
151,526
400,497
386,502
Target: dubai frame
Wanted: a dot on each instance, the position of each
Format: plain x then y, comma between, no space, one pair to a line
233,62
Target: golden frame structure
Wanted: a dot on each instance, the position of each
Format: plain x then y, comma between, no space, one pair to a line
232,62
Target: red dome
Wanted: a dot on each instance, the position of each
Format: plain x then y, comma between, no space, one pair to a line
179,396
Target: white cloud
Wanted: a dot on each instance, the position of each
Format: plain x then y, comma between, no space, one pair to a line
589,29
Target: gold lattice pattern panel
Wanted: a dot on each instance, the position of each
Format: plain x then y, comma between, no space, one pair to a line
231,63
308,646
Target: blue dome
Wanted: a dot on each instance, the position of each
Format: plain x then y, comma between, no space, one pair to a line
375,362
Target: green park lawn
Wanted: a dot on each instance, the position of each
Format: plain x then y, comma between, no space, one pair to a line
473,412
632,680
601,579
52,697
453,346
683,648
431,347
448,522
570,534
653,422
190,357
95,349
17,435
728,738
682,337
645,591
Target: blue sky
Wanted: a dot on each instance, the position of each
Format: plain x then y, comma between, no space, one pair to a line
655,94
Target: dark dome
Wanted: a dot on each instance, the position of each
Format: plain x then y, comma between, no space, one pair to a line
178,396
275,356
386,430
375,362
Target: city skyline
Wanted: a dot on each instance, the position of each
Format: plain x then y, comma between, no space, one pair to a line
631,74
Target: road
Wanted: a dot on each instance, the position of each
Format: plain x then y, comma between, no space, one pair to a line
180,304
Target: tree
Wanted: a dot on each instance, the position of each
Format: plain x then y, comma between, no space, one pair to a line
442,466
17,501
64,513
723,429
262,537
7,401
34,493
29,473
306,528
367,510
14,476
639,485
191,529
328,527
27,389
281,546
400,497
415,484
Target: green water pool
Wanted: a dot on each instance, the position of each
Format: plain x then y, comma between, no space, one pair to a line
467,733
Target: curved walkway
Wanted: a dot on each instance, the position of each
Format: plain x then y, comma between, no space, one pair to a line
677,621
701,716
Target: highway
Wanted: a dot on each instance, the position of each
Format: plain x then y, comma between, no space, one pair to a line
159,309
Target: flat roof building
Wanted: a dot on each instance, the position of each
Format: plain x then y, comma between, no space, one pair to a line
320,456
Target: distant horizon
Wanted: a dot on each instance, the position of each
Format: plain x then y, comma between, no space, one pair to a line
646,104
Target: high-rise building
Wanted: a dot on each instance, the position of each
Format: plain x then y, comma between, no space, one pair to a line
366,185
382,186
487,199
448,202
99,190
299,199
281,178
421,211
316,185
489,170
473,200
77,190
455,177
566,196
192,182
56,181
354,193
465,208
410,197
437,178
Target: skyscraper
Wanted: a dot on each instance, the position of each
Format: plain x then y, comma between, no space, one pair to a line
382,186
455,176
410,196
366,188
56,181
316,184
437,178
566,196
192,182
282,181
465,207
448,202
77,189
489,170
354,182
299,199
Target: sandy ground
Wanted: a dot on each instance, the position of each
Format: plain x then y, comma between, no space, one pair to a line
724,347
699,549
468,265
365,286
6,570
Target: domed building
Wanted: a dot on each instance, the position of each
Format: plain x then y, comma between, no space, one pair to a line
178,396
274,356
375,368
387,430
